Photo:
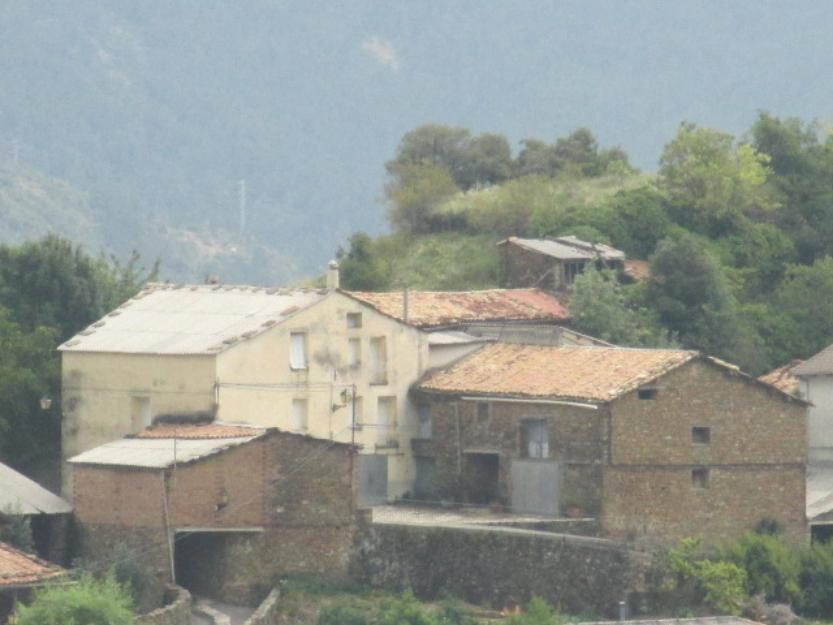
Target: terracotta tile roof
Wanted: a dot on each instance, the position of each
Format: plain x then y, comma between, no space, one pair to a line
199,431
595,374
21,569
442,308
784,378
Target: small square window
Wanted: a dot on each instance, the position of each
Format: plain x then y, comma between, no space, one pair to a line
647,393
701,435
700,478
354,320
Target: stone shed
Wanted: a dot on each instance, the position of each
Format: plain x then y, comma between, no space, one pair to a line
653,443
220,509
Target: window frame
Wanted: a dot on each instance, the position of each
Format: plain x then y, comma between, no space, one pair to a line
304,352
701,435
700,478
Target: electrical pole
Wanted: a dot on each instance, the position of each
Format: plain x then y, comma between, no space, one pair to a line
242,205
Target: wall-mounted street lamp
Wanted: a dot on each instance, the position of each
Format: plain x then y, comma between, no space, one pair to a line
45,403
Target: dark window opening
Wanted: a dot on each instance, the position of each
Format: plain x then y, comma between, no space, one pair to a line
354,320
700,478
535,438
647,393
483,410
480,478
701,435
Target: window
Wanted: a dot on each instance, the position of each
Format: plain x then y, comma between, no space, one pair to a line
700,478
385,420
299,414
140,416
354,352
536,439
647,393
424,416
572,269
483,410
354,320
701,435
298,350
379,360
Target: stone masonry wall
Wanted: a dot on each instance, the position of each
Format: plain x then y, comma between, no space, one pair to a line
755,459
577,439
524,268
298,491
502,568
177,611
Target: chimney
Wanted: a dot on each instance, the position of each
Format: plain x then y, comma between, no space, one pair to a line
332,275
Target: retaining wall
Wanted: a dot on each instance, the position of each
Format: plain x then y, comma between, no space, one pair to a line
502,567
176,612
266,612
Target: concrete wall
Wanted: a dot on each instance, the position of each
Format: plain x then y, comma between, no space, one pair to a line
818,389
501,568
257,385
755,458
577,441
98,392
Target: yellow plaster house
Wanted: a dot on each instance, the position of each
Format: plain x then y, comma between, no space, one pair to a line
328,363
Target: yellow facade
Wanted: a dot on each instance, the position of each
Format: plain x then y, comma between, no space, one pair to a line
107,395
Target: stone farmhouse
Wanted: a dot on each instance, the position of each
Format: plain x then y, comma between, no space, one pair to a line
658,443
327,363
219,507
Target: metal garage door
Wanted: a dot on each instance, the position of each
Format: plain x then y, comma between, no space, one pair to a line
535,486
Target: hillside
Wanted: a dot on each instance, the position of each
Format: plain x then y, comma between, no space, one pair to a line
156,113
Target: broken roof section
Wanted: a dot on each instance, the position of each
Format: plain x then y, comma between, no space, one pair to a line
190,319
784,378
567,248
592,374
435,309
20,495
19,569
164,446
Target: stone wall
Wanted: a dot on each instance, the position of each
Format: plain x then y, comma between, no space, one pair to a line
501,567
577,440
177,611
755,459
267,611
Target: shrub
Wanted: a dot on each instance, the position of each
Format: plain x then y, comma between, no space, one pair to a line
816,580
720,584
404,611
538,612
341,615
771,568
89,602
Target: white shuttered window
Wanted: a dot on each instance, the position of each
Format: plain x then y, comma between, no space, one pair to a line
298,350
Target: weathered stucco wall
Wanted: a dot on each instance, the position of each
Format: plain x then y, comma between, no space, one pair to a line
818,389
501,568
755,458
99,389
257,385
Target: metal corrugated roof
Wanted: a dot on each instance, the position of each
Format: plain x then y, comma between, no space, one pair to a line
20,495
156,453
190,319
569,248
820,364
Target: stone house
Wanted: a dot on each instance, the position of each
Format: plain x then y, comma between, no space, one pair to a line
324,362
20,574
657,443
221,508
554,263
47,515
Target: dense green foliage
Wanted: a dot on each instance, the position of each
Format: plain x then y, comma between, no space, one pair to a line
752,576
738,233
88,602
49,289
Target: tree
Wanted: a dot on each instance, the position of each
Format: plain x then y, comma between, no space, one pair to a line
690,293
413,194
711,182
88,602
361,268
487,161
578,152
536,158
599,307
